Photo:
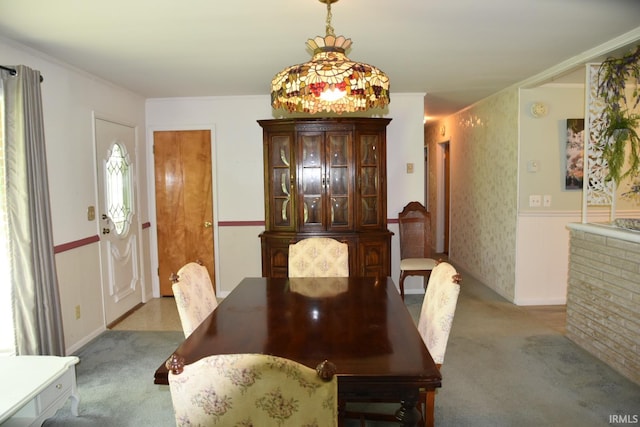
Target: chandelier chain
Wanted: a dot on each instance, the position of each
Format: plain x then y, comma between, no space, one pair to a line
330,82
329,28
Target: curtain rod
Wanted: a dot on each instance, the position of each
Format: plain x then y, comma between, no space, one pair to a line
13,72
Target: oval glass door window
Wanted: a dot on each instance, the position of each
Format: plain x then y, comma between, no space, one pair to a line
118,180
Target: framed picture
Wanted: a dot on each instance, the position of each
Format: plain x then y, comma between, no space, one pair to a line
574,150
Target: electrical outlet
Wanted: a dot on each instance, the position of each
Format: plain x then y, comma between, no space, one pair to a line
546,201
77,312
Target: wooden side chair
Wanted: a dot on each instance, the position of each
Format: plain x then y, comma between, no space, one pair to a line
194,295
252,390
434,324
319,257
414,223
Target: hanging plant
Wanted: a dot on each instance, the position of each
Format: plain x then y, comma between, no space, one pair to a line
618,135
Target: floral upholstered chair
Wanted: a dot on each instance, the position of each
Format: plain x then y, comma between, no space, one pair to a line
194,295
436,318
252,390
319,257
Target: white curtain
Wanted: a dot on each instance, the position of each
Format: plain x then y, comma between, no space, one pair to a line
7,337
27,236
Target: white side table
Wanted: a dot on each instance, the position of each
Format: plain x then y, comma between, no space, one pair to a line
35,387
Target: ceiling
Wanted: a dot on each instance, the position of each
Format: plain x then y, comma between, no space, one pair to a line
455,51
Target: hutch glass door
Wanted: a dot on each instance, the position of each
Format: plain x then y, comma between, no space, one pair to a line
369,180
325,181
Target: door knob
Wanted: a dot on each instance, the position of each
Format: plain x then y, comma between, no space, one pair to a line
207,224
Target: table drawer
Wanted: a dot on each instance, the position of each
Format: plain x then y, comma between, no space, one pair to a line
59,389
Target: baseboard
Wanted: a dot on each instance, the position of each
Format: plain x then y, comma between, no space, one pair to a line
541,301
84,341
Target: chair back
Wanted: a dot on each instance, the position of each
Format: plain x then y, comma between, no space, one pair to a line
194,295
318,257
252,390
438,309
414,223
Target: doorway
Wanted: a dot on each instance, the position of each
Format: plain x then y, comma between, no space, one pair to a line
447,195
443,197
117,217
184,202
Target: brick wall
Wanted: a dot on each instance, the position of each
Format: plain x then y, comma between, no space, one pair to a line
603,299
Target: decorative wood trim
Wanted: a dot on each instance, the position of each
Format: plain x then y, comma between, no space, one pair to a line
175,364
75,244
326,370
241,223
261,223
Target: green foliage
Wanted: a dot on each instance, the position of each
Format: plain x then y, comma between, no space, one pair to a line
619,135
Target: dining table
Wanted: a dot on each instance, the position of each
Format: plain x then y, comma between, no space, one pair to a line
359,324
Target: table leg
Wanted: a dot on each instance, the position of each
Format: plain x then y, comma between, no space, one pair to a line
408,414
75,397
341,412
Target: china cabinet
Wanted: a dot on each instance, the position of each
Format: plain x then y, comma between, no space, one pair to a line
326,177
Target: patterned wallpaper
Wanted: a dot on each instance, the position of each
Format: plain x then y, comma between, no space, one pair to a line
484,182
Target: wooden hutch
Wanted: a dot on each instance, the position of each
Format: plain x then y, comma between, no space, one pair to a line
326,177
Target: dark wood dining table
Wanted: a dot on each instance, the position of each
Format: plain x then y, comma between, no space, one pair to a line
360,324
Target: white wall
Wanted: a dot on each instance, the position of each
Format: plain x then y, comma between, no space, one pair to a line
542,237
69,98
238,170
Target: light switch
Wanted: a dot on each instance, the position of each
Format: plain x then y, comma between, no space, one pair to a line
91,213
409,167
533,166
535,201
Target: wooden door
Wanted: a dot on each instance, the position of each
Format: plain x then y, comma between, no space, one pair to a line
184,202
118,220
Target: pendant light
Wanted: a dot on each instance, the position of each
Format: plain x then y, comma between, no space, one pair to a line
330,82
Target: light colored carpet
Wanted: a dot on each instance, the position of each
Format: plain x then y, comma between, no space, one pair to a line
503,367
115,381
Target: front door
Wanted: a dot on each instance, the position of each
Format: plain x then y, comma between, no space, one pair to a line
184,202
117,218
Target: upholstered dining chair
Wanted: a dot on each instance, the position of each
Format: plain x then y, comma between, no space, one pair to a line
194,295
414,223
434,324
318,257
252,390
